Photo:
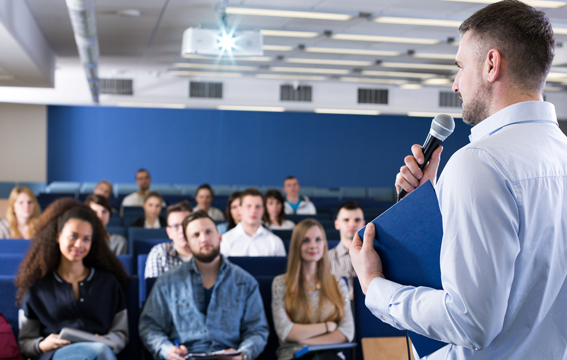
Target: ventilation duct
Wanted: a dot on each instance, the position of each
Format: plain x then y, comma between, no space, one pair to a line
83,19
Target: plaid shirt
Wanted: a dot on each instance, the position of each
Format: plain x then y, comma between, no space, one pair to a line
341,265
161,258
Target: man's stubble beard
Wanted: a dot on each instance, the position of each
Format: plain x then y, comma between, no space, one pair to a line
478,109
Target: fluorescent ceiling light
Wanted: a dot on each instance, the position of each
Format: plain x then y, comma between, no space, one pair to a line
414,21
438,82
556,76
347,111
552,88
432,114
411,86
535,3
376,38
286,13
434,56
419,66
285,33
203,73
560,31
7,77
151,105
290,77
215,66
216,58
372,81
329,62
397,74
352,51
277,48
251,108
309,70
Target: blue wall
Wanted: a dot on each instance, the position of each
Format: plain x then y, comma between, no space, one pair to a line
232,147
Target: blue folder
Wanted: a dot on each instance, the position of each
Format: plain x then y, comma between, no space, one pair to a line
408,240
310,348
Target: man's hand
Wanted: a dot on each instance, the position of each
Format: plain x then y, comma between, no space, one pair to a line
410,176
176,353
52,342
365,259
230,357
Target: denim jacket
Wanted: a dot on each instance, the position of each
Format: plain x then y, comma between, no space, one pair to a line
175,310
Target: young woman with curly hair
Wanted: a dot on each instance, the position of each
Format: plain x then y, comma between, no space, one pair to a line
70,278
310,306
22,212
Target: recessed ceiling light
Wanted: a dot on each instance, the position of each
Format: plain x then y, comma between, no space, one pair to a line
151,105
438,82
397,74
556,76
411,86
352,51
434,56
215,66
286,13
535,3
203,73
372,81
251,108
432,114
277,48
414,21
347,111
285,33
290,77
309,70
376,38
329,62
420,66
552,88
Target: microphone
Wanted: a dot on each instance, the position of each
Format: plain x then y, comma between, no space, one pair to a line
441,127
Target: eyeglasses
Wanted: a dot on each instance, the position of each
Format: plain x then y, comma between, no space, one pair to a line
175,227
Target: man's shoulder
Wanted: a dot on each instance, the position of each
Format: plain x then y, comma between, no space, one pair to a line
161,249
174,275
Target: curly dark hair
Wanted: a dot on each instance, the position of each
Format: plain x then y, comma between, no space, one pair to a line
44,255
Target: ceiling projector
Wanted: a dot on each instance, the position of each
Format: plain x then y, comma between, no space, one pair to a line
218,42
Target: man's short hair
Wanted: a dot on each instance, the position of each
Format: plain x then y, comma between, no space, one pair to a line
349,205
179,207
153,194
205,186
199,214
291,177
522,34
143,170
250,192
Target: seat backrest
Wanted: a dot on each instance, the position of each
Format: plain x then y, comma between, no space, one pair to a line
14,246
141,233
118,230
142,283
128,263
144,246
261,265
9,263
265,285
283,234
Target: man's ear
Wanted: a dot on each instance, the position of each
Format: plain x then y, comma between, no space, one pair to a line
493,63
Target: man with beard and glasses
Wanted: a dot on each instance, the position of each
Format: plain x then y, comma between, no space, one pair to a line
206,304
503,200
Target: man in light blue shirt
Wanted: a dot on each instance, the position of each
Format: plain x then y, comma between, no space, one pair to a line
204,305
503,199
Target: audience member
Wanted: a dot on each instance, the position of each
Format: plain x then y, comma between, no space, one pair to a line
167,255
274,215
296,204
103,188
70,278
310,306
206,304
152,208
249,237
101,206
350,219
204,197
232,213
143,180
22,212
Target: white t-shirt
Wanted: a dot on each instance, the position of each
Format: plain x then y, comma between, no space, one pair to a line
286,225
237,242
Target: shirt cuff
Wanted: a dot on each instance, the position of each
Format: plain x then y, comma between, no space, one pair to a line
378,297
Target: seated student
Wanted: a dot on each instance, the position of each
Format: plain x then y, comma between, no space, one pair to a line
167,255
70,278
310,306
103,188
296,204
101,206
204,197
143,180
232,213
274,216
350,219
22,212
249,237
206,304
152,208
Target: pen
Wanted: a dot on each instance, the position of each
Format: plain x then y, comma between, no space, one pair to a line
176,342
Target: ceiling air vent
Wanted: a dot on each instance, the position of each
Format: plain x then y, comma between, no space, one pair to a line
449,99
372,96
199,89
299,93
117,86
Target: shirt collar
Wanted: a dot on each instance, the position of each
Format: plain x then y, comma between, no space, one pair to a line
258,232
60,279
528,111
341,249
155,225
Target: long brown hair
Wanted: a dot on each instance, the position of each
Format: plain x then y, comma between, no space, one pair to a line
44,255
11,214
233,197
274,194
295,304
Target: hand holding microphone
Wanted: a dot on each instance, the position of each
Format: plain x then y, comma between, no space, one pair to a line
412,175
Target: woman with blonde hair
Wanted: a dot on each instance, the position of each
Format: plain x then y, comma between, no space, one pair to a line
22,213
310,305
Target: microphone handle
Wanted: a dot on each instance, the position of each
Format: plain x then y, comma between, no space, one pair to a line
431,143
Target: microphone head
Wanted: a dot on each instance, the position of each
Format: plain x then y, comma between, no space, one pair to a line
442,126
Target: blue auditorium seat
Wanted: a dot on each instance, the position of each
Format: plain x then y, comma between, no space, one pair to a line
283,234
143,246
135,233
9,264
297,218
14,246
265,285
63,187
36,187
6,189
132,350
142,283
261,265
118,230
128,263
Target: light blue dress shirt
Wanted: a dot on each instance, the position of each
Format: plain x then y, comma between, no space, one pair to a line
503,199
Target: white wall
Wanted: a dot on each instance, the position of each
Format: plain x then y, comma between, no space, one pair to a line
23,142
